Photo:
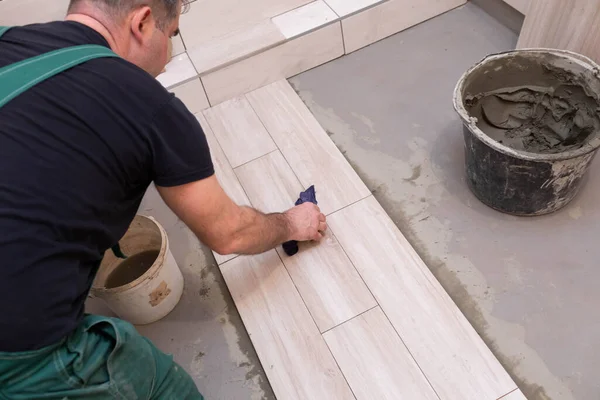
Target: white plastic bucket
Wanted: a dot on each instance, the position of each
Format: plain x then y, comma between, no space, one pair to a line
156,292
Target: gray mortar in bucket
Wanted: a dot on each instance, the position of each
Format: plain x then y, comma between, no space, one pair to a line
531,128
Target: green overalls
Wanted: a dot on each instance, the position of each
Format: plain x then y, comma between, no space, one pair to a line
104,358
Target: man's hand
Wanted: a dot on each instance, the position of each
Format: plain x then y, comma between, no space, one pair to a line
230,229
306,222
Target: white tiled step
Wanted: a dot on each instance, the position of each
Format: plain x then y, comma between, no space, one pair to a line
209,20
304,19
178,46
343,8
235,46
283,61
178,71
388,18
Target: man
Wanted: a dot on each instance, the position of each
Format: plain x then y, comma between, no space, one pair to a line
77,153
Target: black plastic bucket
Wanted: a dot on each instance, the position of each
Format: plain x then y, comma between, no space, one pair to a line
516,181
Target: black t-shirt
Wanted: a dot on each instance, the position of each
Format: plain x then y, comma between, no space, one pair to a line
77,153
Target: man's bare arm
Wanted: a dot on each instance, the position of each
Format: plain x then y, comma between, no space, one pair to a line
228,228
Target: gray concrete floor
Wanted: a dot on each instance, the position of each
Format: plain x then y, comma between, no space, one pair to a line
527,285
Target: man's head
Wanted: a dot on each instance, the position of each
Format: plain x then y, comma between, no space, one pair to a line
140,29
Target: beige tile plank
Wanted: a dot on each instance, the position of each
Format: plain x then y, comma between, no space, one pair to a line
568,25
225,175
344,8
516,395
234,46
24,12
333,290
192,95
270,183
453,357
314,158
240,132
390,17
374,360
520,5
280,62
304,19
328,282
295,357
178,71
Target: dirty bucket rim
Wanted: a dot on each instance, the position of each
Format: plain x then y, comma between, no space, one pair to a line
471,122
151,272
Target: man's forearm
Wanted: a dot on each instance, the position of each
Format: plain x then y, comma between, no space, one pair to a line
257,232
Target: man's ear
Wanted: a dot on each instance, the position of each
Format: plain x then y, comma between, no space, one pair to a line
142,23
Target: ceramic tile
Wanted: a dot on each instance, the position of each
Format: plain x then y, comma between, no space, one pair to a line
239,131
375,362
304,19
390,17
270,183
567,25
180,70
296,359
285,60
209,20
448,350
192,95
178,46
235,46
328,282
225,175
343,8
314,158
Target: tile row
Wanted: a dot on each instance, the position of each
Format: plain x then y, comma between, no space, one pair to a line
261,49
359,315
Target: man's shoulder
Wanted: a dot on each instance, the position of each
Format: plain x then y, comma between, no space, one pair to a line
130,79
112,76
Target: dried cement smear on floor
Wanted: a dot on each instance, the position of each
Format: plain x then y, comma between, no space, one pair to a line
419,182
209,358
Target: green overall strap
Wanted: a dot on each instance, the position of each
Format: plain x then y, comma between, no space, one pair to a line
21,76
3,30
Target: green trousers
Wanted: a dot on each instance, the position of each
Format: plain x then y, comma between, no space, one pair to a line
105,358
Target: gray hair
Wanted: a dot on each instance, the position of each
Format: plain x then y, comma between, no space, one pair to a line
165,10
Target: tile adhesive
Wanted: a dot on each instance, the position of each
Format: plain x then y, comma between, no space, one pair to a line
531,128
545,119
